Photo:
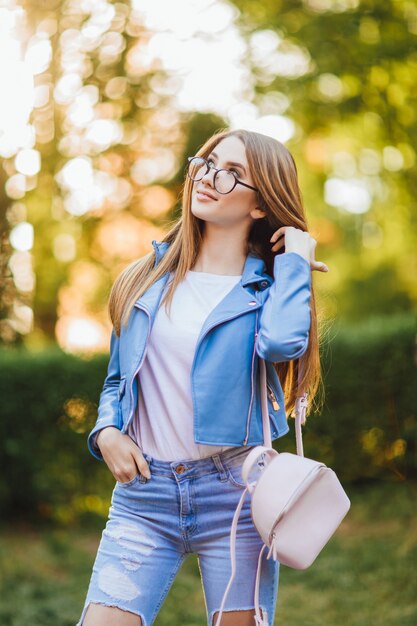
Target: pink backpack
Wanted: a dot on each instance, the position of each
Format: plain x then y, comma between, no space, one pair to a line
297,503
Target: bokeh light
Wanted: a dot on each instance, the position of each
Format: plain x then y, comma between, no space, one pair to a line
93,123
352,195
20,264
21,236
81,334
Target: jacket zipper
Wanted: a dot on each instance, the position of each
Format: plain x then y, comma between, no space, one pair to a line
143,307
244,442
227,319
273,397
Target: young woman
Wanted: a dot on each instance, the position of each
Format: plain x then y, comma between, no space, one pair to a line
180,407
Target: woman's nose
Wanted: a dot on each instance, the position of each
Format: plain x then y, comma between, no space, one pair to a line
209,176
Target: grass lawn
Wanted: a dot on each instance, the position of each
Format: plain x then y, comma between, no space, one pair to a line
365,576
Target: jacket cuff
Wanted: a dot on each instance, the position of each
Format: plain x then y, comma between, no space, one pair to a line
92,440
288,258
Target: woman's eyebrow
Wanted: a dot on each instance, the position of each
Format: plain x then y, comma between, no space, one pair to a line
231,163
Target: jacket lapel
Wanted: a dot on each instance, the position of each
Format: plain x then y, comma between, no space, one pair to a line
240,299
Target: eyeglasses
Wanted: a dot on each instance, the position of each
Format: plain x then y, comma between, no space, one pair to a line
224,180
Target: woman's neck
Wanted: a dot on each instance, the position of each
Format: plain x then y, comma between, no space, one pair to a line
220,261
224,253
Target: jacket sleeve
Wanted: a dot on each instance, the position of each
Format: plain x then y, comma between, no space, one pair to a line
285,317
108,409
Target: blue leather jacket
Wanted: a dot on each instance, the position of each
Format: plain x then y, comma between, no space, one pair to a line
260,317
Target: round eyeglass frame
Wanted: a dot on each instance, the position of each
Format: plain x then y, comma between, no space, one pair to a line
216,171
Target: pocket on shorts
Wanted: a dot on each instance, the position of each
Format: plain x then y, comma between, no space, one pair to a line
234,469
129,482
234,475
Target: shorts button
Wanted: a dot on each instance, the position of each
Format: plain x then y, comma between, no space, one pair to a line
180,469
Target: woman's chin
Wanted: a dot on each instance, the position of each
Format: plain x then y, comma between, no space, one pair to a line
201,211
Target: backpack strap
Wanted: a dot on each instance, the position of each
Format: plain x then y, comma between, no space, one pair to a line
300,413
232,553
259,621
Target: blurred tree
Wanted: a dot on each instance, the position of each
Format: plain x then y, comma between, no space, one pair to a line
7,286
109,140
345,72
338,75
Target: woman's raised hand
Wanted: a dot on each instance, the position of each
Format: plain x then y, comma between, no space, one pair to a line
297,240
122,456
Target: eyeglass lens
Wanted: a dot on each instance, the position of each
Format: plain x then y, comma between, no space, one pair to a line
224,181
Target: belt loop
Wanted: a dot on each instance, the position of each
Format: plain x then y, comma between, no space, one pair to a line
147,457
218,463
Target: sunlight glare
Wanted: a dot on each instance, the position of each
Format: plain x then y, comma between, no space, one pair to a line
76,173
15,186
205,49
21,236
16,105
64,247
350,194
20,264
22,318
38,54
103,133
28,162
79,334
67,88
202,16
276,126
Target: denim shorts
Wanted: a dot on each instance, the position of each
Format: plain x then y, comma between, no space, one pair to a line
154,524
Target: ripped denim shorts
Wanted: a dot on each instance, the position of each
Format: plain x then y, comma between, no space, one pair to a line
154,524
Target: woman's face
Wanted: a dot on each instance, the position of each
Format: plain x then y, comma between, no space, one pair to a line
240,205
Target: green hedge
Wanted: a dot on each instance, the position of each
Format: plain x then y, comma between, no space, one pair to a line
368,426
49,404
367,429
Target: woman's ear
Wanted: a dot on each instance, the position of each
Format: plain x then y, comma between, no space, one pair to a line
258,213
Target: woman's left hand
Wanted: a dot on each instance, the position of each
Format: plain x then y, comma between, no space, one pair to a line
297,240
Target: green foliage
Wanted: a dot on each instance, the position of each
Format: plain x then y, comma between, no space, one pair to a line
352,97
49,404
367,429
368,426
344,71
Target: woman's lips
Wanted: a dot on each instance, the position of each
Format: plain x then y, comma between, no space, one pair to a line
204,197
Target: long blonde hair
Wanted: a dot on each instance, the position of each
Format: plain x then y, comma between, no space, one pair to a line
274,173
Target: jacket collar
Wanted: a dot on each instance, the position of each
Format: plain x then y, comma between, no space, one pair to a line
253,271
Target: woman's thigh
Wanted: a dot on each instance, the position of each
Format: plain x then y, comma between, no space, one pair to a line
216,497
139,553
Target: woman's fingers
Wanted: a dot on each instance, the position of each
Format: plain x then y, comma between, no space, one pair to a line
141,463
300,241
278,233
122,456
321,267
316,265
278,245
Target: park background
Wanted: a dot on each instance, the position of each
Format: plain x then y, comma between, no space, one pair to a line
101,104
